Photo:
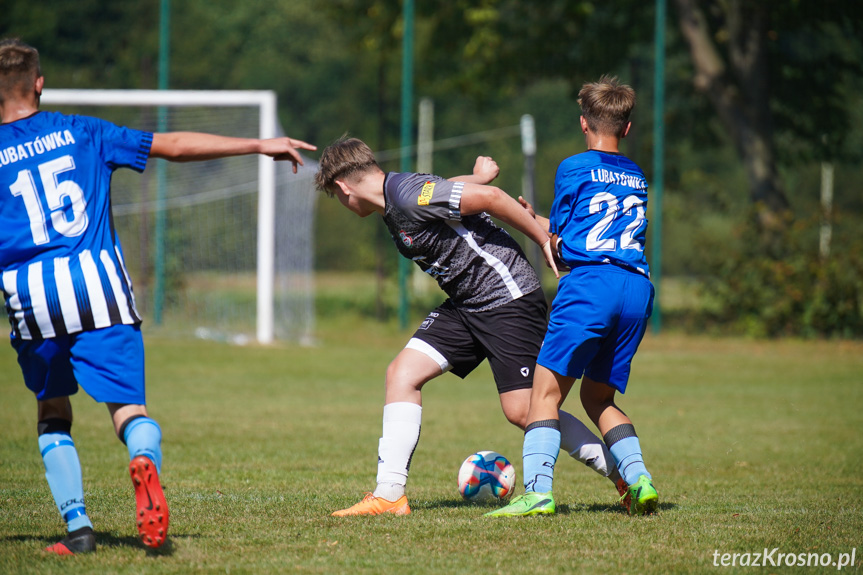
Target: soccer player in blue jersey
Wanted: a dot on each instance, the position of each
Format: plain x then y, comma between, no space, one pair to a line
67,293
496,308
598,318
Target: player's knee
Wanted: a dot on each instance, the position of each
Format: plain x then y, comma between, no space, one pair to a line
515,408
402,376
595,393
394,373
517,418
590,405
548,396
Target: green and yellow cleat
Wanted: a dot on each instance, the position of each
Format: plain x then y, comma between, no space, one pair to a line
643,496
529,503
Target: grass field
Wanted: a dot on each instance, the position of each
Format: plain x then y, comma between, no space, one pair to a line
752,444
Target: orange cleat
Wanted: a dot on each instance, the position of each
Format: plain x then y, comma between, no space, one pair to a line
371,505
151,513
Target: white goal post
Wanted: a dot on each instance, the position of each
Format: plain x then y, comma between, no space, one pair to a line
266,102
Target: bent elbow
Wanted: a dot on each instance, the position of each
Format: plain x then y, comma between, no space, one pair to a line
481,198
493,196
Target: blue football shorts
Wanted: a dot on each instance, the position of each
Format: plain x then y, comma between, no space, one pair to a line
508,336
108,363
597,320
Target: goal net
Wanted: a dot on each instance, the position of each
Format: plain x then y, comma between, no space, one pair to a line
219,249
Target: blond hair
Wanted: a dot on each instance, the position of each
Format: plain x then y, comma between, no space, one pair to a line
606,105
19,68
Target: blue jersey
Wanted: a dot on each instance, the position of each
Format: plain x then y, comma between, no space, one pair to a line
61,266
599,211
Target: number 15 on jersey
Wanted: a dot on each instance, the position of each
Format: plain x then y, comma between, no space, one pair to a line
69,222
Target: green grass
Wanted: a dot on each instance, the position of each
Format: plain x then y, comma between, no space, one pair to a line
752,445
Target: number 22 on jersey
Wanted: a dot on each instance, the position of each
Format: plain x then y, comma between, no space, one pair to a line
55,194
628,239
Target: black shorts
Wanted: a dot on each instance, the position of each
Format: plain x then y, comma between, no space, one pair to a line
509,336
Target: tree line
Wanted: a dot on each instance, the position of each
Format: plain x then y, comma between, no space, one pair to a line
758,96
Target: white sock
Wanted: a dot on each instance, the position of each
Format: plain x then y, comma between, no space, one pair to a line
401,433
583,445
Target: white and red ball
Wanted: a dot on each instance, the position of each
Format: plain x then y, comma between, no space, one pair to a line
486,476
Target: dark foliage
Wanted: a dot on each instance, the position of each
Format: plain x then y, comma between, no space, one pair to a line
798,293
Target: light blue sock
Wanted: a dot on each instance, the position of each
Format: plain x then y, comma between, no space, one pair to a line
541,446
627,454
143,436
63,472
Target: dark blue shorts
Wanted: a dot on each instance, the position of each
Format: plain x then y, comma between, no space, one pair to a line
597,320
108,363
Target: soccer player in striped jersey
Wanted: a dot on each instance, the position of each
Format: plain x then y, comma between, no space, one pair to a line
600,312
496,309
67,292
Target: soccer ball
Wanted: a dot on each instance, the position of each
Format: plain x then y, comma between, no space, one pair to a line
486,476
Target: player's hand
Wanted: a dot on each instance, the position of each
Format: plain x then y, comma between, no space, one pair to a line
286,149
526,205
555,251
485,169
548,252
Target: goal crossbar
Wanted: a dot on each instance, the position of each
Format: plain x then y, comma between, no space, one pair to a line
266,102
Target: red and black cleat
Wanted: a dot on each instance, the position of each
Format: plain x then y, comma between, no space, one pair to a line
151,509
625,497
78,541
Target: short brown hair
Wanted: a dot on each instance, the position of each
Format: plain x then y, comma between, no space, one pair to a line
606,105
344,158
19,67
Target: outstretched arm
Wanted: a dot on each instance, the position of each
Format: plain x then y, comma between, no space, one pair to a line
197,146
478,198
485,170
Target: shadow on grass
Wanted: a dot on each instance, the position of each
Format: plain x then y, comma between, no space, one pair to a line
105,540
604,508
455,504
561,509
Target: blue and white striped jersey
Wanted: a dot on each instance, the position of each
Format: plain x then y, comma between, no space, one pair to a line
61,265
598,212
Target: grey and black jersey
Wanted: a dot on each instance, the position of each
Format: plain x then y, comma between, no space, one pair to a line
478,264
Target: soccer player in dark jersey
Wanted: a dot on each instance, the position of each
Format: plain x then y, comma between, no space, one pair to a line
600,312
496,309
66,289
